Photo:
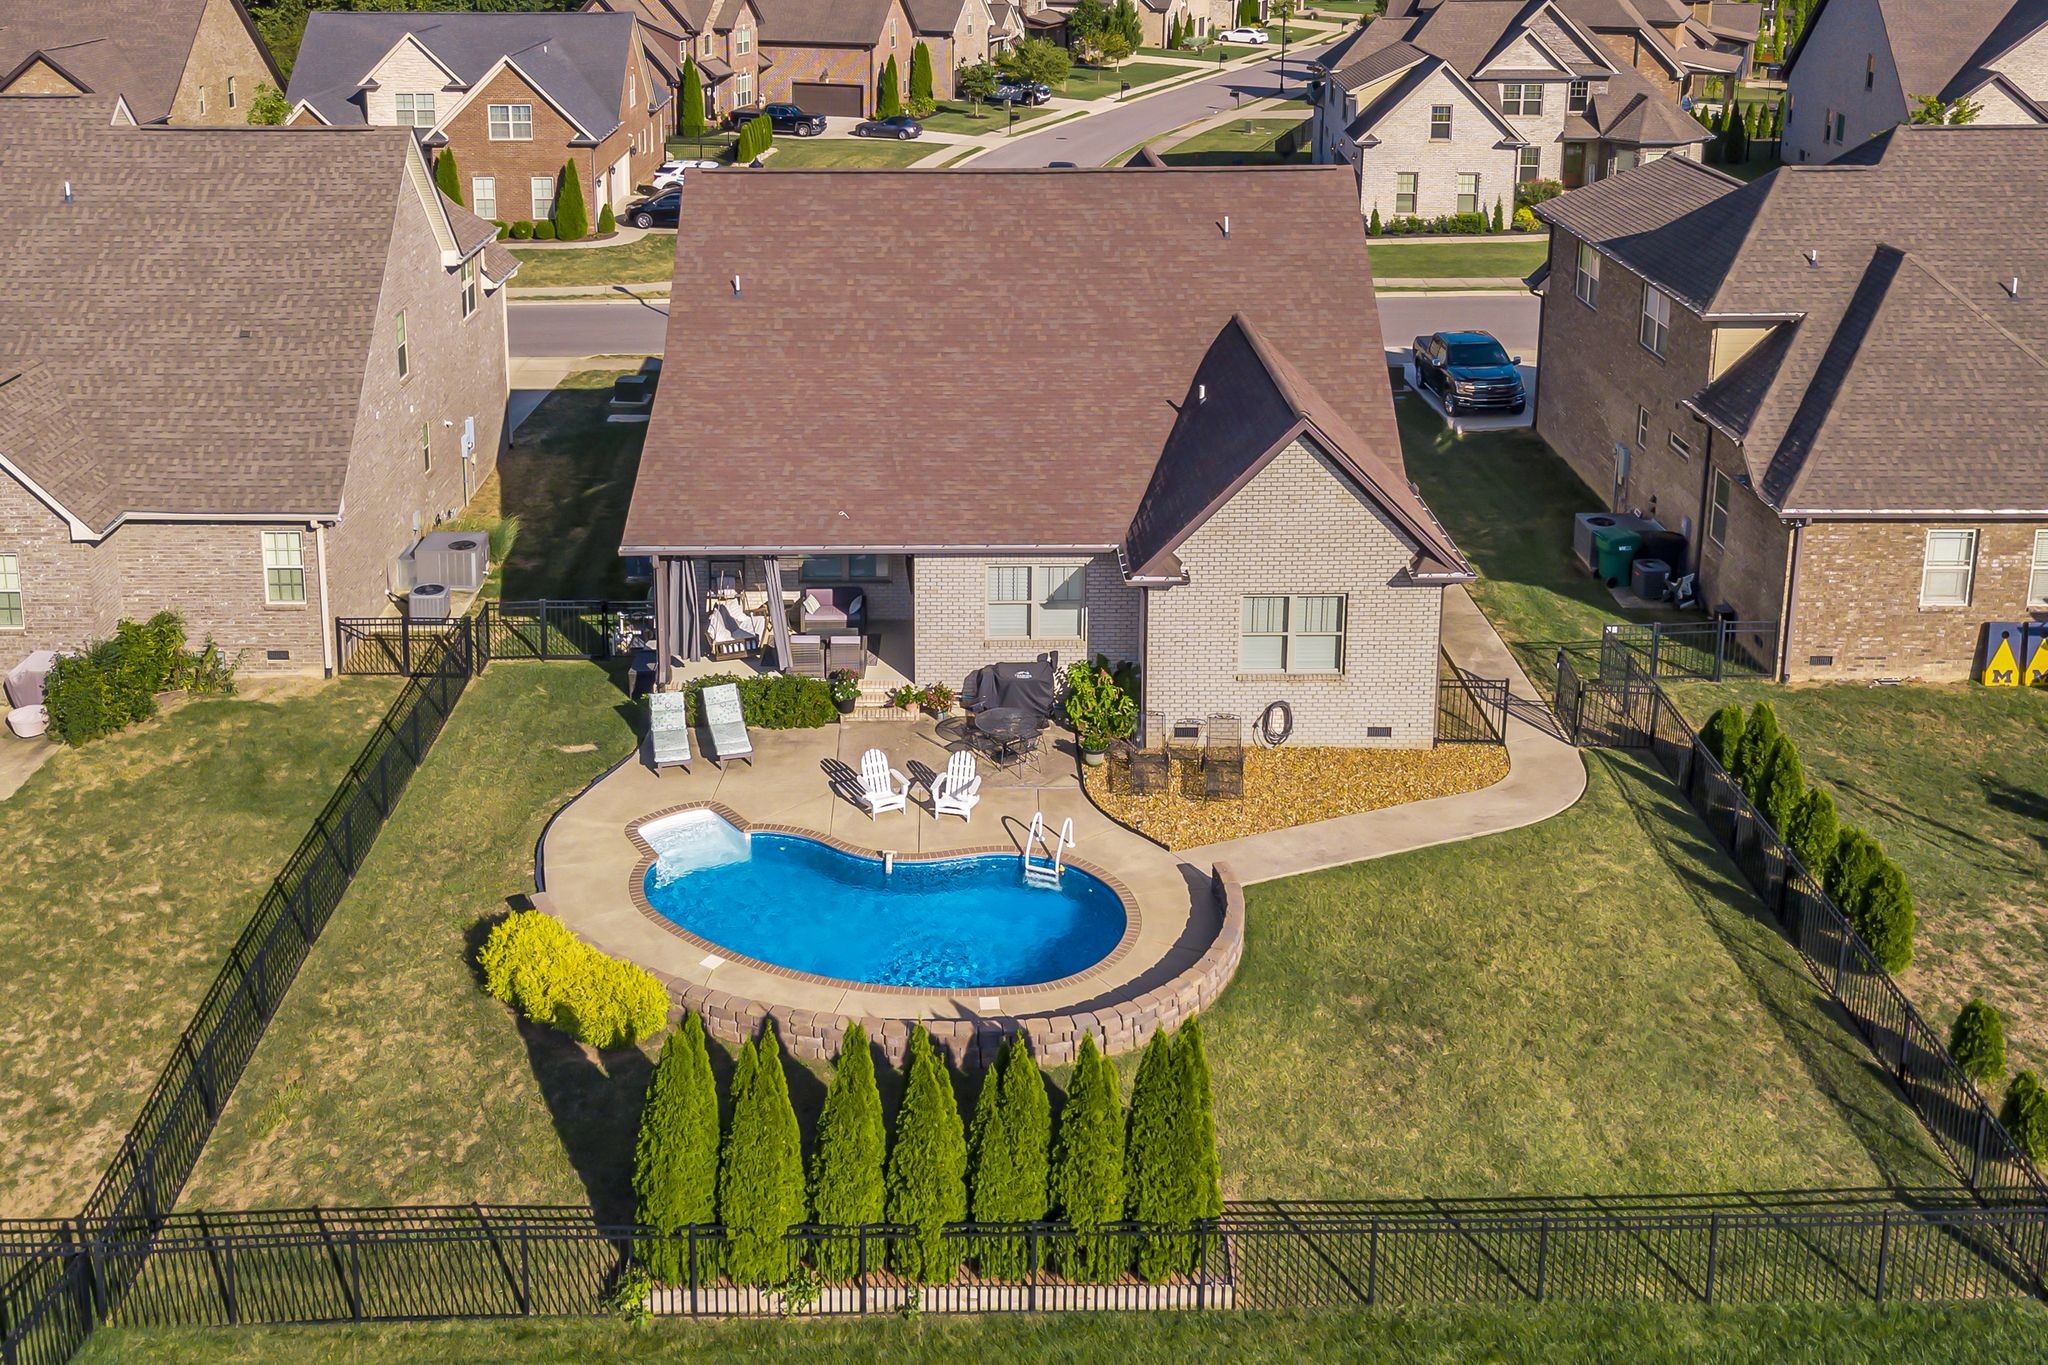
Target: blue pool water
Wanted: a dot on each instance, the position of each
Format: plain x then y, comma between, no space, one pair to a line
959,923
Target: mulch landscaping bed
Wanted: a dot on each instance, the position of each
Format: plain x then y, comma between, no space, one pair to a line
1294,786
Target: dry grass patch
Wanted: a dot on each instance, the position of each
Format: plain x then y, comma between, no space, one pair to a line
1296,786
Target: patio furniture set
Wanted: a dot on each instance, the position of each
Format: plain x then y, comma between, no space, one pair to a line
953,792
830,635
668,729
1213,748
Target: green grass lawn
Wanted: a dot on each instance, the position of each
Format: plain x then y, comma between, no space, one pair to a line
1094,83
1241,142
1954,781
650,260
568,477
1509,255
956,116
1947,1335
793,153
126,871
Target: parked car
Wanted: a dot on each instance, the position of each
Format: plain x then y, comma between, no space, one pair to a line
669,174
899,126
1469,372
1020,92
659,210
1258,37
783,118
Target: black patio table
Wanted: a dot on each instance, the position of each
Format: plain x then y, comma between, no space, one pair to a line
1006,727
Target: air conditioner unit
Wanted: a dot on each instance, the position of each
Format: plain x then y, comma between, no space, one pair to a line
459,559
428,602
1583,527
400,576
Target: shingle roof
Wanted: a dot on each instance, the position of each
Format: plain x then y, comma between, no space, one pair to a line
935,16
822,23
1940,48
1373,65
136,49
1016,429
209,336
1644,218
577,60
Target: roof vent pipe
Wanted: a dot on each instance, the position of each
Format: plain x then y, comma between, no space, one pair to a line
735,286
1813,257
1201,393
1226,227
2012,287
67,192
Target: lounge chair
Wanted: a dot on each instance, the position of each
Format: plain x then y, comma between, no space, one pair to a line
668,731
726,725
882,788
955,790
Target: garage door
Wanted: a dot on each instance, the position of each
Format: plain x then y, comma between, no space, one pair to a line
826,97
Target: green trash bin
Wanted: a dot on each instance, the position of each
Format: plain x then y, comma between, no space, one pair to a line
1614,550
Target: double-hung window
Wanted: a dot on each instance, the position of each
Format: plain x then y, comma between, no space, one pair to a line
1439,123
1528,165
742,40
1717,509
1282,634
404,349
426,448
1655,330
1576,96
1521,99
10,592
1468,191
1946,569
416,110
542,188
743,89
1587,285
469,287
1037,601
284,568
2037,577
1642,428
1405,183
483,196
231,92
841,568
511,122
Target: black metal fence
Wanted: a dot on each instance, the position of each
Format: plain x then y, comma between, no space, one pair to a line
1633,712
1711,650
47,1303
397,646
1470,709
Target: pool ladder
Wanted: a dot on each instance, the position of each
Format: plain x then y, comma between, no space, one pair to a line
1045,871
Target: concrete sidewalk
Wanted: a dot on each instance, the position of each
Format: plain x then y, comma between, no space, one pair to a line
1545,776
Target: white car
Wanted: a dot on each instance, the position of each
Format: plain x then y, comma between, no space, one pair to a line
669,174
1255,36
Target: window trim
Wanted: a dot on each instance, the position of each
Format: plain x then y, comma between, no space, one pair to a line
845,573
1414,193
2037,572
1968,565
404,347
1642,428
1473,176
298,549
231,92
1680,447
410,118
476,195
1521,107
1585,280
1577,96
1290,632
1528,164
426,447
1038,593
511,124
1718,509
1653,332
533,200
1445,135
10,571
467,275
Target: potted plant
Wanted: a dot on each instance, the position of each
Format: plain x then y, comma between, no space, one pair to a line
938,699
907,697
845,690
1100,711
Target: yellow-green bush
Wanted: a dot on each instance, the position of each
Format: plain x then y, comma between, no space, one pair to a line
532,962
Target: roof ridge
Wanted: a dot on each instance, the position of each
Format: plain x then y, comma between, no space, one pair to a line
1912,257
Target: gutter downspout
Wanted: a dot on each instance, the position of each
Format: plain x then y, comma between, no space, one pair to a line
1789,605
326,606
1699,524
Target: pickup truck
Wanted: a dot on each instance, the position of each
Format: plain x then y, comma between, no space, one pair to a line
1469,372
784,118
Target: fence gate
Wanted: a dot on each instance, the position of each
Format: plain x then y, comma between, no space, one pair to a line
1604,712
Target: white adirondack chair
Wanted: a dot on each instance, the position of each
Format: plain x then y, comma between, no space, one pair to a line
882,788
955,790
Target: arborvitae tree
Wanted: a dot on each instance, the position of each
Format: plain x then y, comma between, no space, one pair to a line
1008,1152
1882,911
447,177
1754,762
921,75
761,1171
1196,1116
2025,1114
756,137
690,118
572,221
1977,1042
1247,17
1124,20
1815,831
1088,1168
606,223
889,91
1173,33
1722,736
1777,129
846,1168
1372,227
1784,785
1155,1180
1500,217
927,1175
675,1165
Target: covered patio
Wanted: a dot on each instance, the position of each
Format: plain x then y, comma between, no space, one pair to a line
760,611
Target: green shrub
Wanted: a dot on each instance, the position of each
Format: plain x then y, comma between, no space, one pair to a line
1815,831
1247,17
756,136
532,962
1009,1152
889,91
1525,221
79,696
447,178
926,1181
1783,786
544,231
2025,1115
1499,221
115,681
1754,755
1156,1180
572,219
1977,1042
1372,226
1087,1177
772,701
504,228
522,231
690,120
1882,911
846,1168
1722,736
1196,1120
675,1164
1099,710
921,78
1536,191
761,1168
503,533
607,224
1854,861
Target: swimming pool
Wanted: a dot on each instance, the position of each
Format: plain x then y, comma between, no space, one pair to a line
952,923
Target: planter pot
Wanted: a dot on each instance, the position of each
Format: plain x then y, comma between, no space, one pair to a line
845,708
1094,758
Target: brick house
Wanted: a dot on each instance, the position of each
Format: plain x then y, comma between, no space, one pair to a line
1861,65
1445,106
722,36
517,97
1771,370
828,55
160,61
958,33
1233,515
251,436
1681,49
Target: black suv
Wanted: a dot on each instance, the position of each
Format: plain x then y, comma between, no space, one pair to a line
784,118
1470,372
660,210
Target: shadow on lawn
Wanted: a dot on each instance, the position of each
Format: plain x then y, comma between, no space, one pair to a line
568,476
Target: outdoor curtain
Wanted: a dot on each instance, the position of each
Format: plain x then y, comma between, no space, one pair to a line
690,618
778,615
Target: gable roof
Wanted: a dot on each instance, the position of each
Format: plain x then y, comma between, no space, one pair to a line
935,16
577,61
206,341
1028,436
136,49
822,23
1941,49
1394,96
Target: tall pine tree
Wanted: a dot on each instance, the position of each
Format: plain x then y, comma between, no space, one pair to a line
889,91
846,1168
921,78
690,118
572,220
761,1170
675,1164
1087,1182
1197,1119
1008,1154
1155,1183
447,177
926,1184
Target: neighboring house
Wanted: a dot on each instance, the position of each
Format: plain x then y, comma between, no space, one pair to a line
240,394
1445,106
722,36
828,55
1861,66
517,96
1006,26
1841,409
1695,50
958,33
1207,482
158,61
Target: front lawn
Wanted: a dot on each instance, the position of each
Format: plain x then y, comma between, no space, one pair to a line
126,871
1410,260
650,260
957,116
1241,142
794,153
1100,82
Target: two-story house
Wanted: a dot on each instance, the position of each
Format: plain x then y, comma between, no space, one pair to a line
1697,50
958,32
1840,409
723,37
829,55
1444,106
1862,66
518,97
240,394
159,61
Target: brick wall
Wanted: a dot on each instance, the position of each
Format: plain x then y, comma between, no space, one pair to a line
222,48
858,66
1405,145
213,573
64,598
951,635
41,79
1299,528
514,165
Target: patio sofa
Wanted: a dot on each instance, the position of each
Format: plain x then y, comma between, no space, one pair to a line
834,608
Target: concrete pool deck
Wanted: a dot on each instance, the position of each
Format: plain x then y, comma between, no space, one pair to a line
1180,949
